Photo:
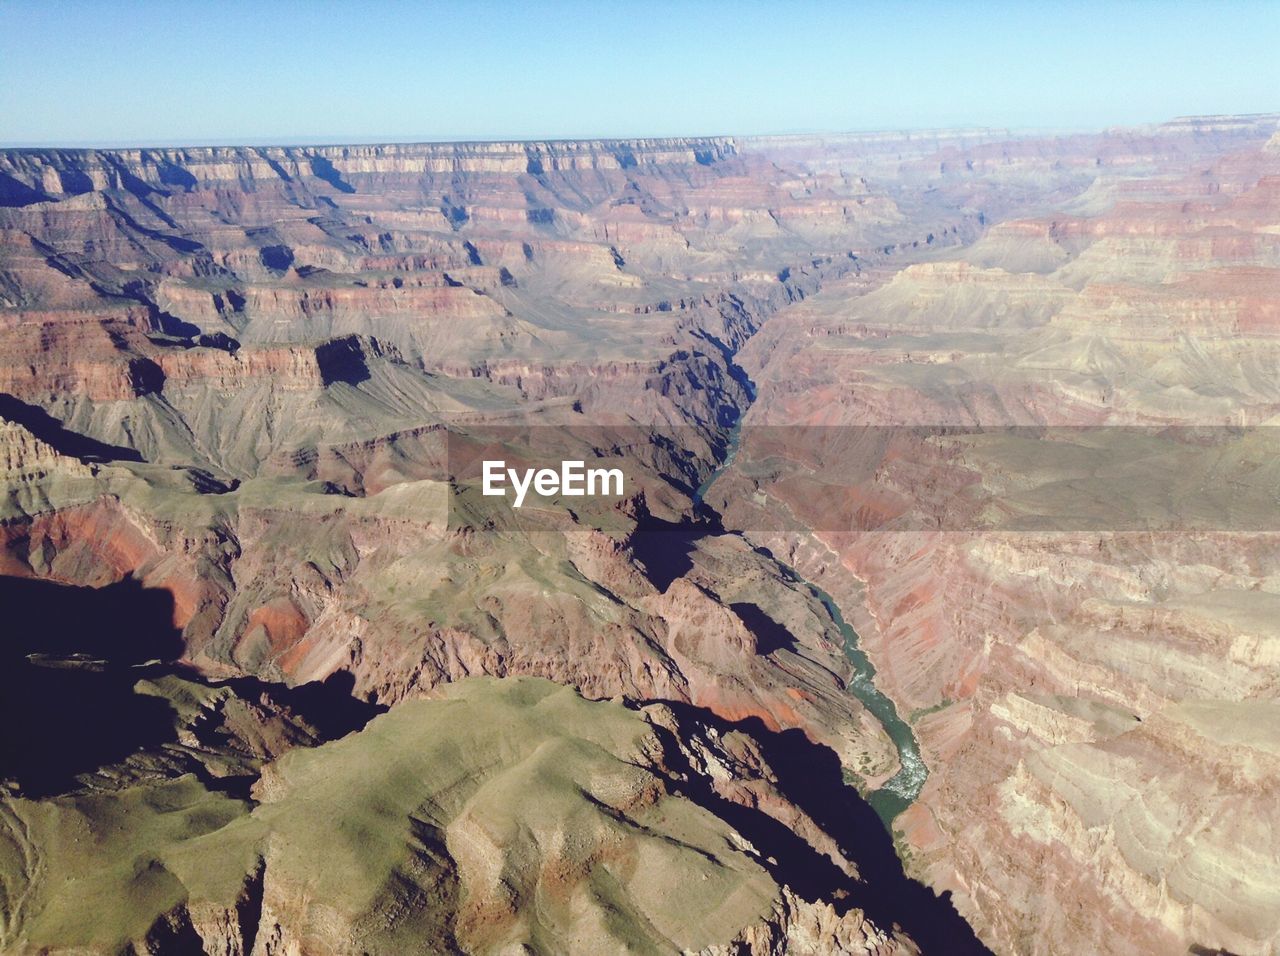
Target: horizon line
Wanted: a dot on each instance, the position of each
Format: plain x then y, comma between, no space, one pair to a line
320,142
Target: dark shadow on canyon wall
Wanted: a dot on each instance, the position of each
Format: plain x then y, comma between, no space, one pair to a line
664,548
322,168
810,776
328,705
342,360
769,634
69,658
57,436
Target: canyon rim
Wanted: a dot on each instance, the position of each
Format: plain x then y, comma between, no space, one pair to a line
841,542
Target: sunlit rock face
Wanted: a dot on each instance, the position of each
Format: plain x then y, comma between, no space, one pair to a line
1081,616
257,335
508,814
233,375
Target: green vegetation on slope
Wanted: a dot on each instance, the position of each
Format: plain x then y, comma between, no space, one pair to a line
509,811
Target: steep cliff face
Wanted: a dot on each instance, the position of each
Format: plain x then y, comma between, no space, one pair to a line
261,357
1078,616
235,375
508,271
66,172
503,813
278,317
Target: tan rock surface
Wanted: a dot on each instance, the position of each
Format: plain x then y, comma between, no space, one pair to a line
263,347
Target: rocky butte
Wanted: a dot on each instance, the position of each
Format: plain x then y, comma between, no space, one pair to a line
278,679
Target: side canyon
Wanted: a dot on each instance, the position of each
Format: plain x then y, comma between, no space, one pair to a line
950,479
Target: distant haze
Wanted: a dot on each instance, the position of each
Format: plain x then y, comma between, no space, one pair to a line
153,73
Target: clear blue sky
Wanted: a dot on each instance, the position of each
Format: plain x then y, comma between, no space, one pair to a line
151,72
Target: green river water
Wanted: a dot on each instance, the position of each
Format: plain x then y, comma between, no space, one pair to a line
898,792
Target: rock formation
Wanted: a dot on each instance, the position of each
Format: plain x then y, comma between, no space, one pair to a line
1069,586
251,380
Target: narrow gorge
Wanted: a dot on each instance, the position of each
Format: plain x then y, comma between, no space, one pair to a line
938,614
896,793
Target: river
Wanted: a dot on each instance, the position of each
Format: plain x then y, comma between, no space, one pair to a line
900,790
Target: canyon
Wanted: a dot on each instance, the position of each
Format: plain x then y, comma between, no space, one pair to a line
936,614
